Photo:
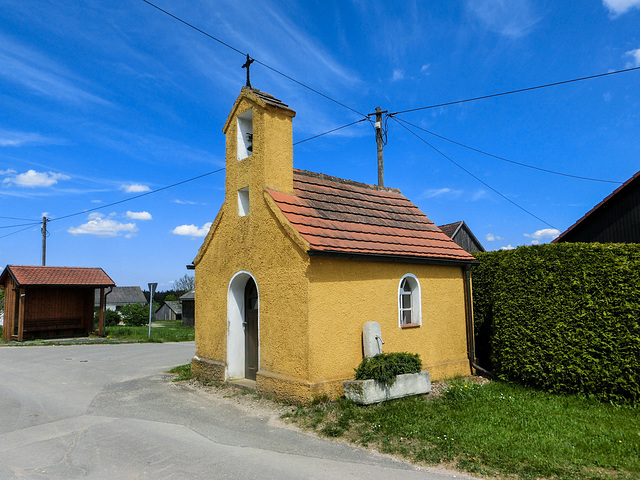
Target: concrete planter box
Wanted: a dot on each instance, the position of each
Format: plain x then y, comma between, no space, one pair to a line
365,392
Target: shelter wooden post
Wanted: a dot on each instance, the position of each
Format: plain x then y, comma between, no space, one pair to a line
101,313
21,294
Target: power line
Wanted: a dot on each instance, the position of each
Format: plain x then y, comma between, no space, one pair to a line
331,131
506,159
136,196
21,219
18,231
527,89
20,225
472,175
256,60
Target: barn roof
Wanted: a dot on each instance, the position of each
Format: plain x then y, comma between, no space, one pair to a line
600,208
173,305
124,296
344,218
29,275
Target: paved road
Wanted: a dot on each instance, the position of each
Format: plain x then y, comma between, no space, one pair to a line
109,412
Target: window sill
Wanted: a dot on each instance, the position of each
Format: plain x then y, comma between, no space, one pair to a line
410,325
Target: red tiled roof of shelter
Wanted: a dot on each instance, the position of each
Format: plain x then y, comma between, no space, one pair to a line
337,216
66,276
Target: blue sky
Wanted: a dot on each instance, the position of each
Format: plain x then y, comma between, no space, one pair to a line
102,101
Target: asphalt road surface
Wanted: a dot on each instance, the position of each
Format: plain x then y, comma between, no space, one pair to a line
110,412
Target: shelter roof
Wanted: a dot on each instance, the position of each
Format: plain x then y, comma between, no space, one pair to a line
30,275
341,217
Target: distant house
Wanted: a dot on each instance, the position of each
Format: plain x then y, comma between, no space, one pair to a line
616,219
170,310
188,301
120,296
46,302
460,233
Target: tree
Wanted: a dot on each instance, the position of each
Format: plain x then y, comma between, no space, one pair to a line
135,314
184,284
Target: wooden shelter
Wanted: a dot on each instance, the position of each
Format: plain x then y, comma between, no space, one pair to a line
47,302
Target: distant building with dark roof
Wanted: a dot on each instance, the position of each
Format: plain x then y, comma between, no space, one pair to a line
170,310
460,233
121,296
616,219
188,302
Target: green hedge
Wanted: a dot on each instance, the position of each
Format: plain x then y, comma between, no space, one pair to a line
562,317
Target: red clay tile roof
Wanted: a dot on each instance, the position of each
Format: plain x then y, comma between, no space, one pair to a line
347,218
67,276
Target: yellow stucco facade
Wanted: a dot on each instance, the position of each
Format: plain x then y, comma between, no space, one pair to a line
311,310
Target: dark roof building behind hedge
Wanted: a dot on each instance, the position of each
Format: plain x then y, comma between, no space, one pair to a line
616,219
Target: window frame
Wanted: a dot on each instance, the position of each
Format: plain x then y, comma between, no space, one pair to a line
416,301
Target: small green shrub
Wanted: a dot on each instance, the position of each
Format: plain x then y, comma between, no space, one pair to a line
111,318
385,366
135,314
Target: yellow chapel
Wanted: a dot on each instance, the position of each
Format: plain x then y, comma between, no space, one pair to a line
297,262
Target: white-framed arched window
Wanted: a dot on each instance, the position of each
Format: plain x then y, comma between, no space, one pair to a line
409,302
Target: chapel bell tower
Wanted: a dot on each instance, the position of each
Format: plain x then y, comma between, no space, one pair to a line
259,148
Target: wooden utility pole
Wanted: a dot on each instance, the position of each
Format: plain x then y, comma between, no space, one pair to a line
380,144
44,240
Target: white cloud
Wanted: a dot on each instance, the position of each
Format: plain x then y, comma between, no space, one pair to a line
439,192
135,188
635,55
511,18
33,179
479,194
508,247
17,139
192,230
397,75
492,238
618,7
104,227
40,75
139,215
425,69
542,235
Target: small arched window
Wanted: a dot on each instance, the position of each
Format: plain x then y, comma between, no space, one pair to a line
409,302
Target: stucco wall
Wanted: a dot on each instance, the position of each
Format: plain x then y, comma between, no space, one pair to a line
344,294
257,244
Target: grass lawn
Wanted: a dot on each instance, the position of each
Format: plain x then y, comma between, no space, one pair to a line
493,429
161,331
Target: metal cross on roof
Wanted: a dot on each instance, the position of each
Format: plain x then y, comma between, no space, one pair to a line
246,65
